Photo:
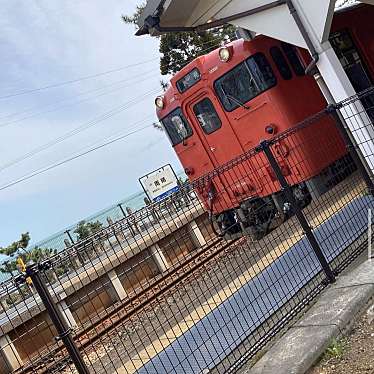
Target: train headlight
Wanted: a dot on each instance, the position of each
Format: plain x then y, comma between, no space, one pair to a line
225,54
159,101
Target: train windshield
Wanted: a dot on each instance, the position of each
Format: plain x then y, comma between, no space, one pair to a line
176,126
244,82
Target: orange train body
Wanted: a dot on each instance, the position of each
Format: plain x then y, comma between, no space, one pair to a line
211,117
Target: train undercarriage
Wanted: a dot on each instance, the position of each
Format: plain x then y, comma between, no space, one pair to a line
257,216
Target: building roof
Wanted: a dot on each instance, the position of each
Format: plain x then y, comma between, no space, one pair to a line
268,17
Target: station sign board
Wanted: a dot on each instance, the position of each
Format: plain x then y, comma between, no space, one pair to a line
160,183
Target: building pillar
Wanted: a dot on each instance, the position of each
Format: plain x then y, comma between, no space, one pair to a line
196,235
117,285
159,258
354,114
317,186
75,262
120,235
4,304
52,276
74,259
9,353
66,312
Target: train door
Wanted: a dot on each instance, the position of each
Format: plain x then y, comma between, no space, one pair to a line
221,143
218,137
354,66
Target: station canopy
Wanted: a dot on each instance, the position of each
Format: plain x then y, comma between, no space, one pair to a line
271,18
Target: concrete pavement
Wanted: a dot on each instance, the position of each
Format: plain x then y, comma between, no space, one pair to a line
330,317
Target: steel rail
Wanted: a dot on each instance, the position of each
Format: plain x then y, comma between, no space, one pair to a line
171,279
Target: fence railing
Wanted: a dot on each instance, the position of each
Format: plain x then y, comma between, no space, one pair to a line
202,281
136,206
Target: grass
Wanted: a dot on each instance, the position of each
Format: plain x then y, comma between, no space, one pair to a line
336,348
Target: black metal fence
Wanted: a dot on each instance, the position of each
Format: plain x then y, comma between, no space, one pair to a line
189,286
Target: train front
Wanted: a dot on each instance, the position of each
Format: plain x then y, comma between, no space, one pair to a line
217,110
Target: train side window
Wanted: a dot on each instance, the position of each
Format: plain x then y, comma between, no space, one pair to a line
176,126
244,82
207,116
281,63
293,58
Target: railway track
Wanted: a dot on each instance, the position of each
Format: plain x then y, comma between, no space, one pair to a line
56,358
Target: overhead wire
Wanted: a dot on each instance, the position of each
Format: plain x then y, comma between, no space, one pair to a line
68,135
74,102
79,79
77,130
55,108
69,159
118,133
133,126
76,80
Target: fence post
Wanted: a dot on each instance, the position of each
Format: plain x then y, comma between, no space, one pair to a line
122,211
265,147
67,232
79,255
352,149
64,332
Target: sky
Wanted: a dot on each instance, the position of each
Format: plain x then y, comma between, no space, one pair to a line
67,65
45,43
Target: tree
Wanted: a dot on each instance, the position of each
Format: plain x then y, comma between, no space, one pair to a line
13,248
18,249
164,85
340,3
134,18
157,126
179,48
38,254
85,229
11,251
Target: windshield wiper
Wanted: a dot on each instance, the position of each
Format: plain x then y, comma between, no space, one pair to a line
184,136
236,101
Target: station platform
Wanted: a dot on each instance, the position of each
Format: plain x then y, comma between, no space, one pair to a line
209,334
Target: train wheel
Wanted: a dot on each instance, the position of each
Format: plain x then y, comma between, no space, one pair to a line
228,225
256,217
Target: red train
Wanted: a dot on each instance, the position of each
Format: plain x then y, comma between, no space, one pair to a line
224,103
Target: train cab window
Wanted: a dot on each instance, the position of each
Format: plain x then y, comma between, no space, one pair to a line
293,58
244,82
176,127
207,116
281,63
